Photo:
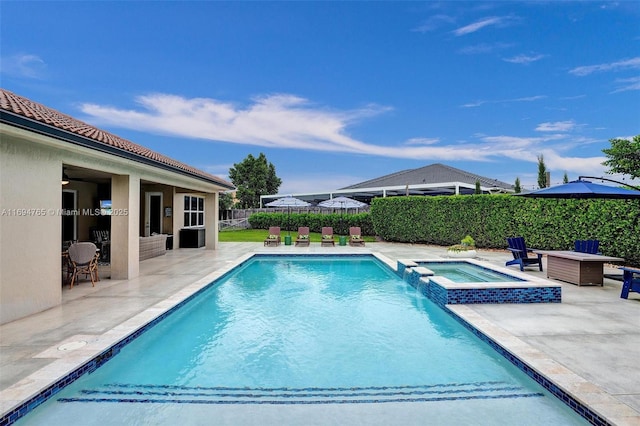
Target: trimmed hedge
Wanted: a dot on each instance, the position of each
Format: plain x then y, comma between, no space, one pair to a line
315,221
546,224
549,224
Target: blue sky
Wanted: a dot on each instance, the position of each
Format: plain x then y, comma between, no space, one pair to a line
335,93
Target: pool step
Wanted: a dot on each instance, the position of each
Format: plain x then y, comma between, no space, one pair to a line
170,394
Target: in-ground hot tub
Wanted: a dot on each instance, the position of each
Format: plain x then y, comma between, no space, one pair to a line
472,281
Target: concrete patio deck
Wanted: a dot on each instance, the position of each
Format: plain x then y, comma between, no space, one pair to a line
589,344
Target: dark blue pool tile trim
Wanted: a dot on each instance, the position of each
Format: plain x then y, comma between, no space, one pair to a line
24,408
443,296
439,295
591,416
28,405
496,295
436,392
89,367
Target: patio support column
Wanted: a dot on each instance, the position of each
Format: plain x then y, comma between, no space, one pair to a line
125,224
211,221
178,216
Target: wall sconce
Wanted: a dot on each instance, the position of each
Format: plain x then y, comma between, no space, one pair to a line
65,178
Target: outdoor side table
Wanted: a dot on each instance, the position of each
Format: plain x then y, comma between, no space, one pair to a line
575,267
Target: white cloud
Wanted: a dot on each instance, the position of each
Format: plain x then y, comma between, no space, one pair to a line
473,104
558,126
290,122
433,23
503,101
578,165
277,121
552,147
422,141
628,84
24,65
486,22
633,63
523,59
483,48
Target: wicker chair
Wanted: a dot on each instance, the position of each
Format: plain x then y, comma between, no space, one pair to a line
84,261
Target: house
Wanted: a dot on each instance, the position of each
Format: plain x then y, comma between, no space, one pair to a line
434,179
61,179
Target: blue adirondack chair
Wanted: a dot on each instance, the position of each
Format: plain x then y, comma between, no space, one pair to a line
518,248
587,246
631,281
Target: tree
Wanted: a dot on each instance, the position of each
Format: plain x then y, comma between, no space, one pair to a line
624,157
254,177
225,201
542,172
565,178
478,189
516,187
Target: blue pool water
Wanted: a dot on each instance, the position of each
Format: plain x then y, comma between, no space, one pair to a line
298,332
464,272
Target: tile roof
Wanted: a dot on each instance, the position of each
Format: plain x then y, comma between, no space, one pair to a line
35,112
431,174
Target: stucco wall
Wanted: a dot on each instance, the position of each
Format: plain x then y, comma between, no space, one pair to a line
31,223
30,229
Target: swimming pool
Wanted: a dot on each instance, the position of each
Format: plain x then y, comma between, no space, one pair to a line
299,332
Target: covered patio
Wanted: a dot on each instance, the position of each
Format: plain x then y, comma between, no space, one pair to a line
61,179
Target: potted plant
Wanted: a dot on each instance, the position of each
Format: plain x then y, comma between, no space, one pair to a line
466,248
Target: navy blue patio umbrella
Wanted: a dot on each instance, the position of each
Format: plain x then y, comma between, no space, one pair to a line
583,189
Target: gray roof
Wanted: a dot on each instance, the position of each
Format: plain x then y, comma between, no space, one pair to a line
432,174
436,179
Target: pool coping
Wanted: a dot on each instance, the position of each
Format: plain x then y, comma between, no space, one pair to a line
92,351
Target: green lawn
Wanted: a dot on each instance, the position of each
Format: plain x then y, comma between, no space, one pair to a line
259,235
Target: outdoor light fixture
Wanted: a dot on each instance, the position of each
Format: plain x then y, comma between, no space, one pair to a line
65,178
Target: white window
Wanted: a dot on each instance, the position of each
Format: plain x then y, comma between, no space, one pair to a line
193,211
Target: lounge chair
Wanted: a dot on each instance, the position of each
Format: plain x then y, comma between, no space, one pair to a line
518,248
83,258
303,236
273,239
587,246
327,237
355,236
